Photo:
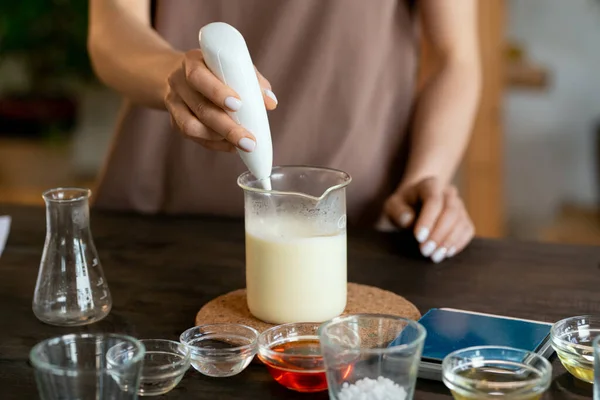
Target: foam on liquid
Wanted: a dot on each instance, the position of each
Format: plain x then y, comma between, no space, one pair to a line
293,275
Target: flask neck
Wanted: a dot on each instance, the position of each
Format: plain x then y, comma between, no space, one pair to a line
67,217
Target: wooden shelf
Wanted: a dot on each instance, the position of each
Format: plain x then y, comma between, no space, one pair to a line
528,76
520,72
28,168
575,225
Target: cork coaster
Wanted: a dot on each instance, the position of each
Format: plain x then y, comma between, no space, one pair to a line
232,308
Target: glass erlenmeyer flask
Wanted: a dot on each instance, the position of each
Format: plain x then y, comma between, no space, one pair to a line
71,289
296,244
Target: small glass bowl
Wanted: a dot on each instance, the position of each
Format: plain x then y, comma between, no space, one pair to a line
495,371
164,365
597,370
220,350
292,354
572,340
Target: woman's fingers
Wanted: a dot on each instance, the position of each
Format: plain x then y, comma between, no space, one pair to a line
433,203
398,211
186,122
443,222
214,118
270,99
460,237
202,80
436,246
198,103
268,95
442,227
204,113
221,145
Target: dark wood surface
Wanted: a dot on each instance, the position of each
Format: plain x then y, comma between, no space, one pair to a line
161,270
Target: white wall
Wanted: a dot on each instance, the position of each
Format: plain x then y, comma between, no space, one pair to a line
550,138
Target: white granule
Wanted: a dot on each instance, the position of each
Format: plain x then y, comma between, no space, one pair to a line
372,389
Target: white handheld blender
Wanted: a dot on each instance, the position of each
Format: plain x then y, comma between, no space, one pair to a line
227,56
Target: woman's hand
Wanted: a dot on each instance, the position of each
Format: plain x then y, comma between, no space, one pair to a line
197,100
442,225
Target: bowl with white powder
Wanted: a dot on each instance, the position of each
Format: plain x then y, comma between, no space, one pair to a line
371,356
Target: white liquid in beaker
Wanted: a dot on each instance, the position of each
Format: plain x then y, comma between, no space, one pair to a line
293,275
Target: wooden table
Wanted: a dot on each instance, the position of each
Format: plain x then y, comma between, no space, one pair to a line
161,270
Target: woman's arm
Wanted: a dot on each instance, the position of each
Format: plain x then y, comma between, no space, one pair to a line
444,117
132,58
446,108
127,54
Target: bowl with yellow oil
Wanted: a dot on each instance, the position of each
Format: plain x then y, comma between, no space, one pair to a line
572,340
496,371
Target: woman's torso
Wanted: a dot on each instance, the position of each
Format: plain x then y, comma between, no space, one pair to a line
343,72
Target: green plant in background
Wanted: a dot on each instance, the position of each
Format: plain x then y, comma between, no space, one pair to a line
48,38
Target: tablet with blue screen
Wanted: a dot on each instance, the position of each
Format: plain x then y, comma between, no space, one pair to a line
450,329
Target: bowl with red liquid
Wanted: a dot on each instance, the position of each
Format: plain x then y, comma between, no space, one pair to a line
292,354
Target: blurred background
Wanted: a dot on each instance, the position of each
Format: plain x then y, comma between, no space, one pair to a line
532,170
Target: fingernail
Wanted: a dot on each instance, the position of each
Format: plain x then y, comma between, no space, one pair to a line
451,252
247,144
405,219
428,248
422,235
233,104
271,95
439,255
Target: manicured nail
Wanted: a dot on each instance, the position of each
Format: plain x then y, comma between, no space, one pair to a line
271,95
422,235
428,248
451,252
247,144
405,219
439,255
233,104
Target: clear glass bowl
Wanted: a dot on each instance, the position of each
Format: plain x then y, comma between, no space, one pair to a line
373,354
77,366
165,364
292,354
496,371
220,350
572,340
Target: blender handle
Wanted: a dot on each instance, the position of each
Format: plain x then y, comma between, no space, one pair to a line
227,56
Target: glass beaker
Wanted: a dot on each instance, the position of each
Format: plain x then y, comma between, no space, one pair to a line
71,289
75,366
296,244
374,355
